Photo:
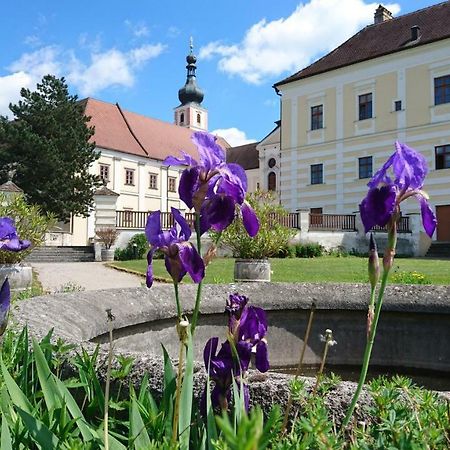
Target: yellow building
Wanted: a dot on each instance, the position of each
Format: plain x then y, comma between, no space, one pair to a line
341,115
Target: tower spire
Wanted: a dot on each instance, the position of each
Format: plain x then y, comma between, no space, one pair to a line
190,92
190,113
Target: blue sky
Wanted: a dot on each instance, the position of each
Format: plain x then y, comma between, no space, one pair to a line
133,52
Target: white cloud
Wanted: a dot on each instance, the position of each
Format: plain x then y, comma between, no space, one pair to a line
32,41
141,55
233,136
25,73
10,86
288,44
39,62
138,29
93,44
109,68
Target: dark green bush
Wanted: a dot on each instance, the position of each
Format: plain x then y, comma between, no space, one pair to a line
311,250
287,251
136,248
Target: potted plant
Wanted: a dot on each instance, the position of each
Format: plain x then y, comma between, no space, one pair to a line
31,225
252,263
107,236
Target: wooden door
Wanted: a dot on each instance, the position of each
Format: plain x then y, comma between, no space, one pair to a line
443,222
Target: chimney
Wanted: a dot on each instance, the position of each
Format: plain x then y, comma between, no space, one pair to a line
415,33
382,14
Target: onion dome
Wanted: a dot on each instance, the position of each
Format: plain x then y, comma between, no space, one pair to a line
190,92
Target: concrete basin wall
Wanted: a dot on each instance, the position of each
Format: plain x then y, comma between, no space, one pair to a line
414,330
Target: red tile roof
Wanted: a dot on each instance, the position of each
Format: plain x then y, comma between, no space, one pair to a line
128,132
383,38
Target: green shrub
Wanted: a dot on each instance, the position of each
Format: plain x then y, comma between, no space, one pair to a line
409,278
272,236
311,250
288,251
136,248
31,224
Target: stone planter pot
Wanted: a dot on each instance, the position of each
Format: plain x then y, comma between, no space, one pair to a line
107,254
251,270
20,275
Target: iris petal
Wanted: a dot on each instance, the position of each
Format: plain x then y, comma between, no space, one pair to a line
7,228
410,167
188,185
236,174
153,229
428,218
191,262
220,212
185,230
149,274
378,206
211,153
250,219
210,350
262,357
253,324
185,160
5,302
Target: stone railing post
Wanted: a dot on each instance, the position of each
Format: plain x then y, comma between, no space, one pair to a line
105,214
419,240
360,231
303,221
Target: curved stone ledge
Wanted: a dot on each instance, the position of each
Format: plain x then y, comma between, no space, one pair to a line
414,329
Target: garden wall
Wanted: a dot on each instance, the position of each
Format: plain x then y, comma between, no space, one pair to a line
414,330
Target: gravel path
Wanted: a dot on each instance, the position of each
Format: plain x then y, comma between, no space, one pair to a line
88,276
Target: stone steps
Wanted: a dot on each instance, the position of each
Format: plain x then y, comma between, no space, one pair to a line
61,254
439,250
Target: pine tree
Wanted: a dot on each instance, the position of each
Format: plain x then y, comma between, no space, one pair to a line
47,144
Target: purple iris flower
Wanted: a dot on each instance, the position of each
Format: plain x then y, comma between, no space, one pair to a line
407,170
223,366
5,302
247,331
253,329
234,307
9,240
214,188
181,257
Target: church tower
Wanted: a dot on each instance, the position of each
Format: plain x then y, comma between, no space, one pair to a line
190,113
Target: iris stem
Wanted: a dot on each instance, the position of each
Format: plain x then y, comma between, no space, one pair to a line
108,379
176,412
370,312
177,299
199,286
368,350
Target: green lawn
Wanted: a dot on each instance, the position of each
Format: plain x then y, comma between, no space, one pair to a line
351,269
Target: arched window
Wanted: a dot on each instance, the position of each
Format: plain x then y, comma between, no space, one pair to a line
199,119
272,181
182,118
